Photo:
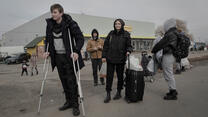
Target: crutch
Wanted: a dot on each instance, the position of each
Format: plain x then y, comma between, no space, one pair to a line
77,75
45,76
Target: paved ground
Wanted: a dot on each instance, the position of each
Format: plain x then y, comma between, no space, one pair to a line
19,96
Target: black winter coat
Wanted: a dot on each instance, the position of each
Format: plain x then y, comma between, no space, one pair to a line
76,34
116,46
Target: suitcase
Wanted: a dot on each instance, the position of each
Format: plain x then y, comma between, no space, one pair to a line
134,85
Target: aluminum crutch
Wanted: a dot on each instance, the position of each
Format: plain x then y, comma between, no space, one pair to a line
46,61
77,75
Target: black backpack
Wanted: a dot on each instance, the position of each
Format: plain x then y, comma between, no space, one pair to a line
182,49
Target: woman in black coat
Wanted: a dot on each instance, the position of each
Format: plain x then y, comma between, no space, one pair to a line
117,46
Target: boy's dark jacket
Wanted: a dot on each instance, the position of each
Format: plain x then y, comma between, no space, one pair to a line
76,34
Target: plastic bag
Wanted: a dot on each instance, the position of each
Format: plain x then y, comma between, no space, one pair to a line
134,63
185,62
103,70
159,55
151,65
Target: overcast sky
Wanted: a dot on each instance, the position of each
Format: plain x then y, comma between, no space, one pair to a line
195,12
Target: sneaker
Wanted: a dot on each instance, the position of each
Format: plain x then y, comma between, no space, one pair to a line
76,111
65,106
172,91
171,95
117,96
108,98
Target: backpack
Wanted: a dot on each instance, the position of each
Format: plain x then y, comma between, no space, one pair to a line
182,49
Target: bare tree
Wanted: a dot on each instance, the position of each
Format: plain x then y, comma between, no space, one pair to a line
159,31
191,36
182,27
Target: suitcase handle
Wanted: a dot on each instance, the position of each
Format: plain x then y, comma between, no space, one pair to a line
144,53
128,61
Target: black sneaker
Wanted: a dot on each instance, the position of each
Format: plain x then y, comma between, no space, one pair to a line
117,96
76,111
172,95
172,91
65,106
127,100
108,98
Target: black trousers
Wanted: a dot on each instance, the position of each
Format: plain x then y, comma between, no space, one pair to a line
24,70
68,79
110,74
96,65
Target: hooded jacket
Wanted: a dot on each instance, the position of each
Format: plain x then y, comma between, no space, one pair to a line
95,31
117,44
75,33
95,43
169,42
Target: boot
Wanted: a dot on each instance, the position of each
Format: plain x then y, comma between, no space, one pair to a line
75,103
117,96
172,91
108,98
102,81
76,111
172,95
66,106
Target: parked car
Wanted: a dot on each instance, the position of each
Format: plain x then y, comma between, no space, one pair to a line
17,58
201,48
3,58
7,57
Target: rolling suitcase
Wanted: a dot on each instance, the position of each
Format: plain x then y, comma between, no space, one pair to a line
134,85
